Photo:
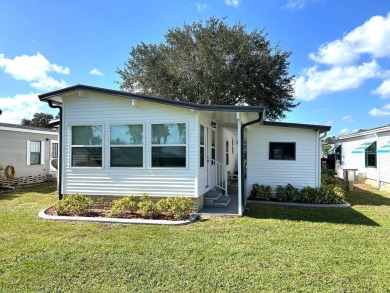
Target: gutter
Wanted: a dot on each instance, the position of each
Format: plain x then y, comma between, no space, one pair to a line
242,175
51,105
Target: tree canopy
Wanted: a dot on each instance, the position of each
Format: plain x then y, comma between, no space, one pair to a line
210,62
39,120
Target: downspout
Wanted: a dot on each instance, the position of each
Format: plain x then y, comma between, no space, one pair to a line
319,152
60,195
242,175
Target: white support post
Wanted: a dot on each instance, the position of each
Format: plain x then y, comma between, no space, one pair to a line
240,195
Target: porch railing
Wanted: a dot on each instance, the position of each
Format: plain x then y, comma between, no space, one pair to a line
221,175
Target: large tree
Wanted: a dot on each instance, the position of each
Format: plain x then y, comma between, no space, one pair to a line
211,62
39,120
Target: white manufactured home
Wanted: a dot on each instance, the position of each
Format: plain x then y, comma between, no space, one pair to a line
116,143
367,153
30,150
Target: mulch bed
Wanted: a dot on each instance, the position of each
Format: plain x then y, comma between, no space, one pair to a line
103,213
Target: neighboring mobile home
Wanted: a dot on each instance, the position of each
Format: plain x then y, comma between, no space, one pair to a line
367,152
118,143
30,151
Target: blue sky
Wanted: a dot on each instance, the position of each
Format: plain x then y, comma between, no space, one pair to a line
340,50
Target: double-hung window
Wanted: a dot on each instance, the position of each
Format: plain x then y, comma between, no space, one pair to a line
34,152
126,145
87,146
169,145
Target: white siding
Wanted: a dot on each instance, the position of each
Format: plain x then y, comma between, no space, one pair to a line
384,158
106,110
13,146
357,161
299,172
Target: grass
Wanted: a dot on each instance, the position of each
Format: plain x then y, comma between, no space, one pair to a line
270,249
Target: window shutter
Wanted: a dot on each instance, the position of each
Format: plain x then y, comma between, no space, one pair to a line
28,153
42,153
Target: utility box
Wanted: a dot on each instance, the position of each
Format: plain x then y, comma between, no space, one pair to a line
349,177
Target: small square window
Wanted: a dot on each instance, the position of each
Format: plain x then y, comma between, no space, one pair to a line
282,150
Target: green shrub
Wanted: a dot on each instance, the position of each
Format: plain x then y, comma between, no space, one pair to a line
287,193
165,205
327,178
292,193
74,203
181,207
147,208
120,206
281,193
331,194
309,194
261,192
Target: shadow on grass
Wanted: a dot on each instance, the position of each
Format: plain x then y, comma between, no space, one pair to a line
360,196
320,215
9,195
44,188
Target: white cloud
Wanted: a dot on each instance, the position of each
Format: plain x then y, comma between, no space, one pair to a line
315,82
383,90
20,107
341,66
348,118
295,4
201,6
372,38
34,69
96,71
329,123
344,131
234,3
380,113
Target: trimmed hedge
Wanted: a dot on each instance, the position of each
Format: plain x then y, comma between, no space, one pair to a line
330,192
177,207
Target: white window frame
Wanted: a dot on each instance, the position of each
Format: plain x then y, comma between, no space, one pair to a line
167,145
131,145
42,145
86,146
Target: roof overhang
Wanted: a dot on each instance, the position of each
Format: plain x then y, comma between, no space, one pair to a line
320,128
56,97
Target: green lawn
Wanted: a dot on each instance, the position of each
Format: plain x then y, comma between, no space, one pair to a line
270,249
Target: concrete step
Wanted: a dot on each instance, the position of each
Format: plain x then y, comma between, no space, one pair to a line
222,201
212,195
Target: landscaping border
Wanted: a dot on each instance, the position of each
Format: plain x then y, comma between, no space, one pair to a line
302,205
191,219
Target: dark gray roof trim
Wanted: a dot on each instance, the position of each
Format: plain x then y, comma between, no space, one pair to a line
18,126
201,107
298,125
